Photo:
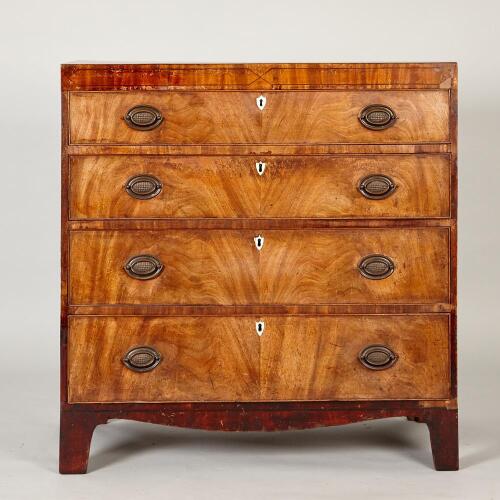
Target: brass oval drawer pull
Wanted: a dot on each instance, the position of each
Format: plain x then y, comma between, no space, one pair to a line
143,187
376,267
143,118
377,357
376,187
377,117
142,359
143,267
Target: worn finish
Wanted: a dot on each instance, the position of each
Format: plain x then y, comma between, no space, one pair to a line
78,424
255,149
253,224
203,359
224,359
203,153
257,76
317,358
230,187
234,118
259,309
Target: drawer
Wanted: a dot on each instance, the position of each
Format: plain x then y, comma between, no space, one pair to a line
223,358
396,186
344,266
231,117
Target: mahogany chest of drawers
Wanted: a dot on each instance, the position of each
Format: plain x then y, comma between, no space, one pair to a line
258,247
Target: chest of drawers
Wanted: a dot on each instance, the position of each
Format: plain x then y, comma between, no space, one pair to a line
258,247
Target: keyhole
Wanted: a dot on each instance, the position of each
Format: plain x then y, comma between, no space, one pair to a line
259,328
261,166
260,102
259,241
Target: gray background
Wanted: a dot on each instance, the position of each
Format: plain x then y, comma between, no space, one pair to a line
384,459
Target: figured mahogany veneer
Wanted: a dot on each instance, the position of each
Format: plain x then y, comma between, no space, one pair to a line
231,187
257,76
293,267
221,358
291,335
234,118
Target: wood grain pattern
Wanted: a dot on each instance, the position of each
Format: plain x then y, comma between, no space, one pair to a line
233,117
313,267
202,359
317,358
294,267
332,117
201,267
296,358
256,224
257,309
256,149
327,187
78,420
258,76
230,187
193,186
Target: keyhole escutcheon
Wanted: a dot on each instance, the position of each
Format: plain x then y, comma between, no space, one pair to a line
260,166
259,328
261,102
259,242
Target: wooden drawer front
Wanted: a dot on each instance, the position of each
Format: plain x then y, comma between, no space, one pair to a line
223,359
200,267
293,267
229,117
321,266
290,186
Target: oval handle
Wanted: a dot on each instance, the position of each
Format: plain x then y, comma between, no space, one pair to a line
376,187
142,359
143,117
376,267
143,187
377,117
377,357
143,267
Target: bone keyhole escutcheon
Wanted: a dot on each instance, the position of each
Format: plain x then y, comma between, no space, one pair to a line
259,328
260,166
259,242
261,102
